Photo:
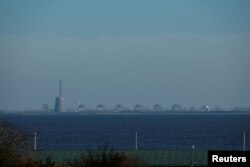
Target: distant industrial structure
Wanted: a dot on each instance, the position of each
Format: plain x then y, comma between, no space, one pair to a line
45,107
119,108
100,107
205,108
177,107
157,108
139,107
59,103
80,108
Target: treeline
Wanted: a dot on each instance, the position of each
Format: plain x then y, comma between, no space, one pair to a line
16,151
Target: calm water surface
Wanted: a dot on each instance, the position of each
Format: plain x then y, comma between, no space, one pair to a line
166,131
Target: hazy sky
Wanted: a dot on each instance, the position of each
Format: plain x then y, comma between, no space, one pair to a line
108,52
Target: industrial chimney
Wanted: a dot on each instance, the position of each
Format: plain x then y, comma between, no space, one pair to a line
59,103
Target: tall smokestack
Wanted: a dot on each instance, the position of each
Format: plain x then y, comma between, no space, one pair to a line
60,91
59,103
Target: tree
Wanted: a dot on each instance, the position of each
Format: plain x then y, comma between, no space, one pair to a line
16,150
14,145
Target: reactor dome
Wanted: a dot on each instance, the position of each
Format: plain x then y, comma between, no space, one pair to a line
81,108
139,107
119,107
176,107
100,107
157,107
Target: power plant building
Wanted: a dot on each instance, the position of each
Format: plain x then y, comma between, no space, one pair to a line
119,108
139,107
205,108
157,107
100,107
80,108
59,103
176,107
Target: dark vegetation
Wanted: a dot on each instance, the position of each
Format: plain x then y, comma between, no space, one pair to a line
106,158
16,151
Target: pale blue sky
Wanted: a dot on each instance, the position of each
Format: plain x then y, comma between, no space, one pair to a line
181,51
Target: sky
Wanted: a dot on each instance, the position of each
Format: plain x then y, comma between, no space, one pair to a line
189,52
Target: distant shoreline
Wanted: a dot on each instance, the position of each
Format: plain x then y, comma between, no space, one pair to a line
121,113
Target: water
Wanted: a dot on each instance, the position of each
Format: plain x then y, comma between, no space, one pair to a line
167,131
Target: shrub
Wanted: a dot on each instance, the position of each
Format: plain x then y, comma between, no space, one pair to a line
14,145
16,151
106,158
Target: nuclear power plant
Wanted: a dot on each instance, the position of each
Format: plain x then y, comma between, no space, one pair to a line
59,103
59,107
